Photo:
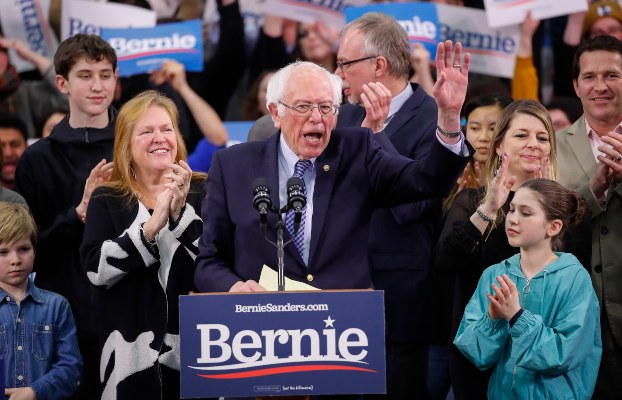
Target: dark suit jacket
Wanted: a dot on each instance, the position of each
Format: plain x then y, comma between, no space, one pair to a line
402,238
353,177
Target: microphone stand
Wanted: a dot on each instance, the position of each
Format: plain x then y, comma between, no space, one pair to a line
296,199
280,254
280,246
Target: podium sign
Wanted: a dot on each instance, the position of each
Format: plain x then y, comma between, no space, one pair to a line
282,343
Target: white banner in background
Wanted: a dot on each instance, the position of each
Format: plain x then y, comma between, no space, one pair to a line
512,12
27,20
493,51
555,8
308,11
78,17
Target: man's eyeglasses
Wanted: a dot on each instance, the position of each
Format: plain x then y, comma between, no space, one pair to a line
343,64
305,109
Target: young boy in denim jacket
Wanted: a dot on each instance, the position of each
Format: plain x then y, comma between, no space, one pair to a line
37,331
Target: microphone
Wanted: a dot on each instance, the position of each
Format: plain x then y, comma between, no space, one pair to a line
261,199
296,199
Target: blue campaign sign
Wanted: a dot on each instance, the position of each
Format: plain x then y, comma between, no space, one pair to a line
418,19
238,130
141,50
282,343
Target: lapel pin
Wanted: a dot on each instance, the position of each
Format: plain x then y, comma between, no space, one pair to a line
326,167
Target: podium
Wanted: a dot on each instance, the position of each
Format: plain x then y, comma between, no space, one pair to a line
282,343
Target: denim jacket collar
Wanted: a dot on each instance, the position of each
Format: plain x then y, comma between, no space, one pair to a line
31,291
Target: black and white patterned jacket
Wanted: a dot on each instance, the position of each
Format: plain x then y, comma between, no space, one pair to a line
139,312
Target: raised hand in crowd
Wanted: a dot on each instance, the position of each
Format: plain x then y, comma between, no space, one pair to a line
501,186
500,189
275,26
527,29
574,28
328,35
376,99
451,86
207,119
99,174
470,179
173,72
420,61
525,79
23,50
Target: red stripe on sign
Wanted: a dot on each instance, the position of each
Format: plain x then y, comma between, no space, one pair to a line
155,53
285,370
488,52
515,4
297,3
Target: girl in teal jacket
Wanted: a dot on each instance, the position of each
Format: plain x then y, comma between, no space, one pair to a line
534,317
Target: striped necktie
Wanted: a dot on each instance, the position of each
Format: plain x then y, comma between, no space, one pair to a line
299,238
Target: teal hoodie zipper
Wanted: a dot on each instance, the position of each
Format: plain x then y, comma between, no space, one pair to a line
526,290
